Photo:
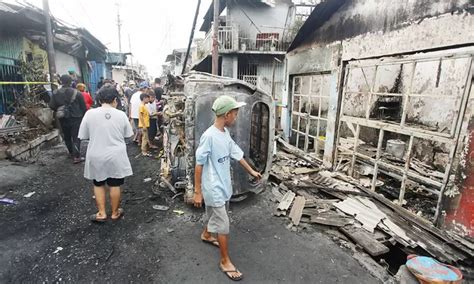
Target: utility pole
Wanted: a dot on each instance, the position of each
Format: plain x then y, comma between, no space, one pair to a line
49,44
131,56
215,39
119,27
191,37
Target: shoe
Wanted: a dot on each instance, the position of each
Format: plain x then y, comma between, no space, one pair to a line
78,160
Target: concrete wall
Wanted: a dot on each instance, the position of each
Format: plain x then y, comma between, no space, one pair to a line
65,62
119,75
267,19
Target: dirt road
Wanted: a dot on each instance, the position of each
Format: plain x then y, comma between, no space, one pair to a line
47,237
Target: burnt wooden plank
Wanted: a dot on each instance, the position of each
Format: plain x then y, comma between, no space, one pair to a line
365,239
297,210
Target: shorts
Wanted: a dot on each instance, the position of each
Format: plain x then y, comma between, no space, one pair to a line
110,182
218,220
135,123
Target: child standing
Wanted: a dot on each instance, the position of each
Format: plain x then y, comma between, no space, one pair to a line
212,178
144,123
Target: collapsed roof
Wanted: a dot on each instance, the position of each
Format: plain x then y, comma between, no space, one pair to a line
29,21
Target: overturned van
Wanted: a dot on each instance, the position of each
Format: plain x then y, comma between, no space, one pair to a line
188,114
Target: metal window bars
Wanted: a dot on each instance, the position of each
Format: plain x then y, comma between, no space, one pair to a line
413,131
307,111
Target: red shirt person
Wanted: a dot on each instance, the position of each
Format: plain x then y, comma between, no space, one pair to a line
87,97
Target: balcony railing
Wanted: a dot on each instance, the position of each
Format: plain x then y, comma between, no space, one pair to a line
231,40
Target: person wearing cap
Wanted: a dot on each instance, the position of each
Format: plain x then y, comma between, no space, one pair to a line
212,178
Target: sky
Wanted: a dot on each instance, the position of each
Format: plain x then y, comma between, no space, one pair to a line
155,27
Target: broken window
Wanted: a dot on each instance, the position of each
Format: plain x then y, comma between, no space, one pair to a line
310,103
397,125
259,136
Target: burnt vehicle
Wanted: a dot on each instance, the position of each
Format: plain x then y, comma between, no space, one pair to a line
187,114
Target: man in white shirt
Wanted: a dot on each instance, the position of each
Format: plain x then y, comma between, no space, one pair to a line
133,115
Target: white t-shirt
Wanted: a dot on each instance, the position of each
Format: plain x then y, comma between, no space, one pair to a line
135,104
151,108
106,129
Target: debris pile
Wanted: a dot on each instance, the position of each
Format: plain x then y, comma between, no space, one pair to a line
404,172
27,129
311,195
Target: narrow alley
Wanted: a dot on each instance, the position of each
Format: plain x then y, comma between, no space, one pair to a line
211,141
48,238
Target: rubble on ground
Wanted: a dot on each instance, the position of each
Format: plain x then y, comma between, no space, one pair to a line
307,194
25,130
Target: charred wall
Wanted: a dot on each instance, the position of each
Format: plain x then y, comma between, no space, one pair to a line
358,17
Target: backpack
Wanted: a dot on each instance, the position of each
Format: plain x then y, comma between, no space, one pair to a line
64,111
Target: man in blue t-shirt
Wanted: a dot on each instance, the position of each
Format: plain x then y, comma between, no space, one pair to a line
212,179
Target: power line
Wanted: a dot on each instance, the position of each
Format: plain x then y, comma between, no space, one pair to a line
85,12
76,23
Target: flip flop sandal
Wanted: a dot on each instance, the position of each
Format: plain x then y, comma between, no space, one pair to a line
226,272
211,242
160,154
120,215
93,218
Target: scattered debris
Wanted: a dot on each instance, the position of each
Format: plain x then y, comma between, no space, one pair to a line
166,183
147,180
302,171
8,201
369,219
177,195
28,195
58,249
297,210
286,201
169,230
365,240
179,212
161,207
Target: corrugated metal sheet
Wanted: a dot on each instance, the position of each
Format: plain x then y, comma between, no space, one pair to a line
97,71
116,58
8,93
10,48
365,211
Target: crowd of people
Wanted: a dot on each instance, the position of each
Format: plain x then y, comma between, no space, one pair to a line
142,104
126,111
117,112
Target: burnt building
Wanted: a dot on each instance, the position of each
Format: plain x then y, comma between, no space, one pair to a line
382,90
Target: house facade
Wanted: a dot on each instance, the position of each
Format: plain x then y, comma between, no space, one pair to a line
253,37
383,90
23,54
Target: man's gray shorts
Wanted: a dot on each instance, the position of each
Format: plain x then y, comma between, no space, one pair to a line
218,221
